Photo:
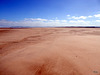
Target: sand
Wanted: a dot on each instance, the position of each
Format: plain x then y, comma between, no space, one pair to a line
50,51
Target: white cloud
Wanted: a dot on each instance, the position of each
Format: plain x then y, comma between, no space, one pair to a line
81,22
51,20
36,19
97,15
90,16
57,20
39,22
72,21
7,23
80,17
64,21
68,15
97,20
33,22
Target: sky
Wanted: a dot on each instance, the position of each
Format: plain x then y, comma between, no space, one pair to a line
40,13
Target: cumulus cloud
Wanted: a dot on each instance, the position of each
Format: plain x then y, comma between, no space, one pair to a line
97,20
97,15
80,17
51,20
79,22
31,22
7,23
64,21
37,22
83,17
90,16
68,15
40,22
36,19
57,20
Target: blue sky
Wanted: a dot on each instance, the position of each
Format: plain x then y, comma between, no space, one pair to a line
49,12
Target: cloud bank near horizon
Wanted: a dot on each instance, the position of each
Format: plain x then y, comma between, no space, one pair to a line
91,20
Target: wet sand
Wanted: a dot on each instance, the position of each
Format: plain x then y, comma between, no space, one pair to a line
50,51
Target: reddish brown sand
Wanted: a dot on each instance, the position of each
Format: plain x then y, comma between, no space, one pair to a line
50,51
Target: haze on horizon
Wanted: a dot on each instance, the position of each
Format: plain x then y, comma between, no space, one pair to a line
40,13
